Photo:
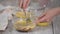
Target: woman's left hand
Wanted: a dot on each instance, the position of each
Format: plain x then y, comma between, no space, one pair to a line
24,3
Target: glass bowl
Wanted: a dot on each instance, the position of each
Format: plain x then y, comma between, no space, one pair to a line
23,22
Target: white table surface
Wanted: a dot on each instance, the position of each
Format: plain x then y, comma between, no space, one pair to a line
37,30
47,30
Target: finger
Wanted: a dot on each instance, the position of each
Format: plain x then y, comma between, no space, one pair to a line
26,3
41,20
40,17
46,18
20,3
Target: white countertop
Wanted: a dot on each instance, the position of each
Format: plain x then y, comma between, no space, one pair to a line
37,30
48,30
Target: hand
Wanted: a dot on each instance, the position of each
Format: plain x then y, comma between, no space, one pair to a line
47,16
24,3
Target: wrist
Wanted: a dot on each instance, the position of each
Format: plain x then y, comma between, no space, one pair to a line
54,11
57,10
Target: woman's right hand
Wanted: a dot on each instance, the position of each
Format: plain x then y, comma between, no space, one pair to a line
47,16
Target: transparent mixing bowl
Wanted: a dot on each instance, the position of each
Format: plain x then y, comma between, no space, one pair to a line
25,23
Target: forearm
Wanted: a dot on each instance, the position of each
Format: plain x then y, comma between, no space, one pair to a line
56,11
